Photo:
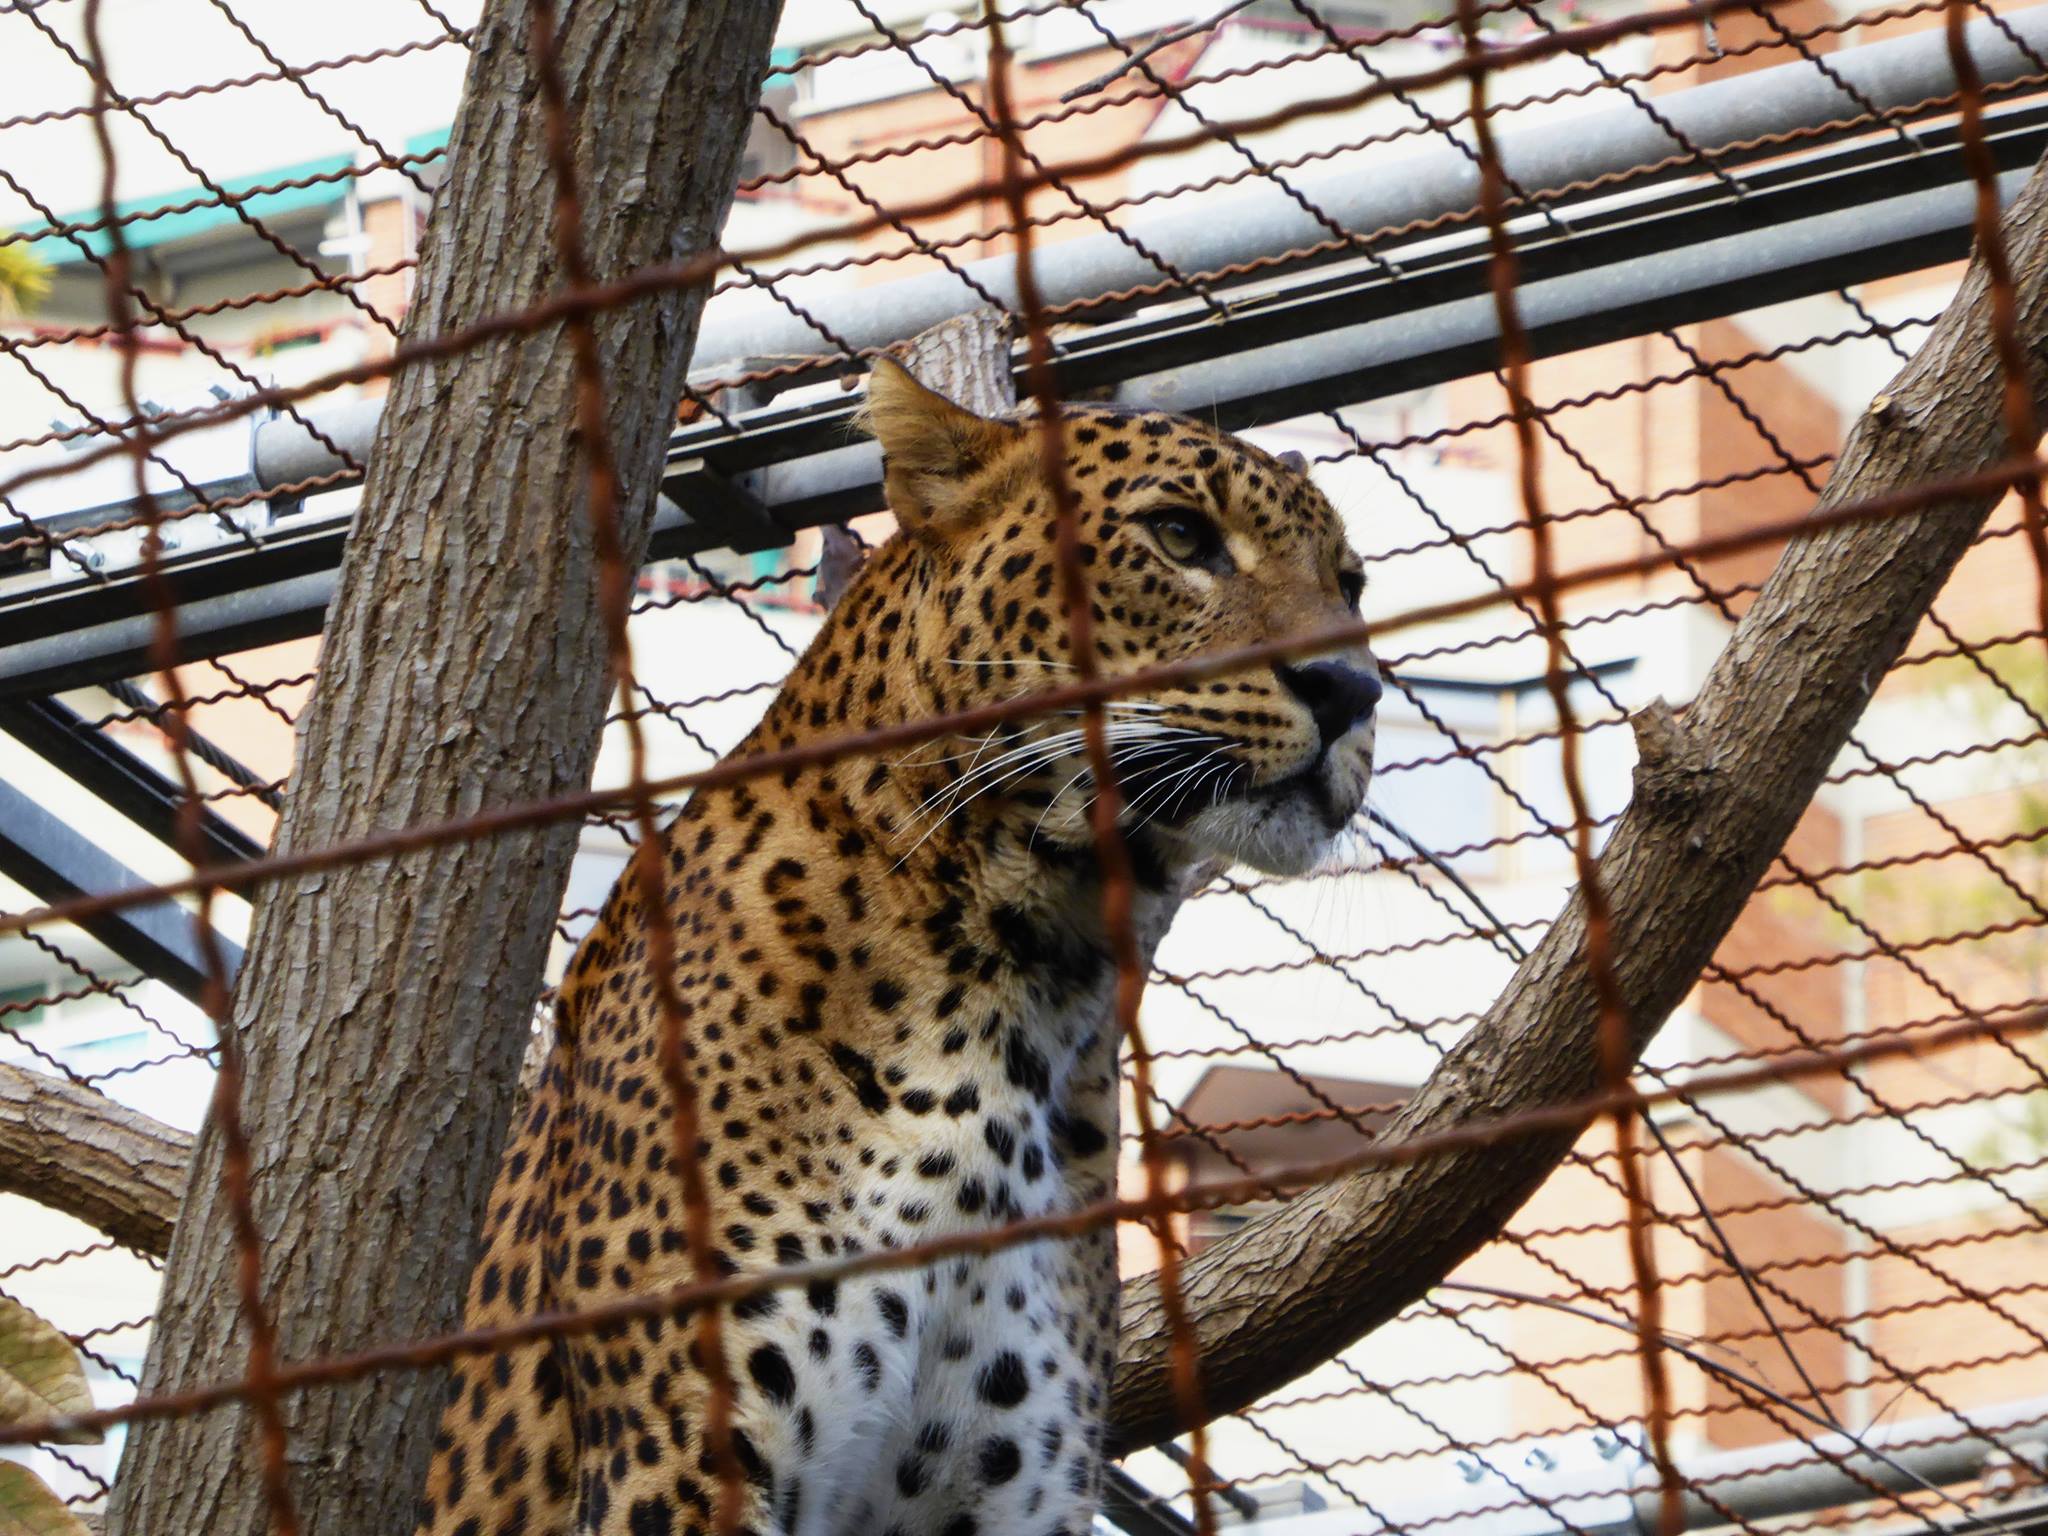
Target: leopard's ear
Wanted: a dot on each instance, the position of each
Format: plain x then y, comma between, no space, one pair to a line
936,456
1295,460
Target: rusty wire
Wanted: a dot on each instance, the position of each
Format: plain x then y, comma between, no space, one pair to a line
1791,1049
1207,1195
648,866
225,1111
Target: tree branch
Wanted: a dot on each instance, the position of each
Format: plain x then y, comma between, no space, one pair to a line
79,1152
1714,800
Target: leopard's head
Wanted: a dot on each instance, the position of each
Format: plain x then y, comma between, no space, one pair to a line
1193,541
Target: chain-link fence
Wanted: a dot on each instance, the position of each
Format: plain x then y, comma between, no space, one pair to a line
1570,308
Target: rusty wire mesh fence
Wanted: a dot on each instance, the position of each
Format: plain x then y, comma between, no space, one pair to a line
1663,267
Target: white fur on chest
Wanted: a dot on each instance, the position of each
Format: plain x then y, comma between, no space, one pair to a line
963,1396
978,1413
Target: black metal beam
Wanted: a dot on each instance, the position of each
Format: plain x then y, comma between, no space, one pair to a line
55,863
101,765
1135,1509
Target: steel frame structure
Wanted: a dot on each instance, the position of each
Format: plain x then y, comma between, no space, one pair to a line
1770,226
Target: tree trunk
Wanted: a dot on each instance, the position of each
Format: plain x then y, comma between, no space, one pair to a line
1715,798
383,1008
966,359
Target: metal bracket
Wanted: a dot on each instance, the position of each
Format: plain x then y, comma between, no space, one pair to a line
721,512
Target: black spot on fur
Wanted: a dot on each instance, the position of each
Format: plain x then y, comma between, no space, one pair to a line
999,1461
860,1072
769,1367
1025,1065
1083,1135
1003,1382
894,1312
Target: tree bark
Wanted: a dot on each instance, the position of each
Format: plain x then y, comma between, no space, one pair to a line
382,1009
966,359
1715,797
79,1152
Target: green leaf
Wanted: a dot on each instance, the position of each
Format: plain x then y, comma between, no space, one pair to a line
24,280
40,1374
28,1508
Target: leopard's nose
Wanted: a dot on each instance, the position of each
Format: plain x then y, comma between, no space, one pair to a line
1338,694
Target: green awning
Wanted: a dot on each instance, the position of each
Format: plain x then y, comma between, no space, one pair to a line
426,143
140,231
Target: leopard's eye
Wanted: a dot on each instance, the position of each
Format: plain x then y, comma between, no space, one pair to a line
1352,585
1189,537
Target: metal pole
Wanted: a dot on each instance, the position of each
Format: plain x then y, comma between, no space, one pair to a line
1454,340
285,453
53,862
1348,363
1381,189
1756,1484
1608,303
1364,193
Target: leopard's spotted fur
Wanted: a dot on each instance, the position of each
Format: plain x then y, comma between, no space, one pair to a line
898,1010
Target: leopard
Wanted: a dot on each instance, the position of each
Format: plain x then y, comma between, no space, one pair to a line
893,989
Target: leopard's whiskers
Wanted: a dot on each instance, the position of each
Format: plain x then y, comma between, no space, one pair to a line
1165,789
1120,758
1213,750
1021,761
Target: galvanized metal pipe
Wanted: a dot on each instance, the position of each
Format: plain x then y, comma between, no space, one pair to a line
1829,1471
1382,189
1260,219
